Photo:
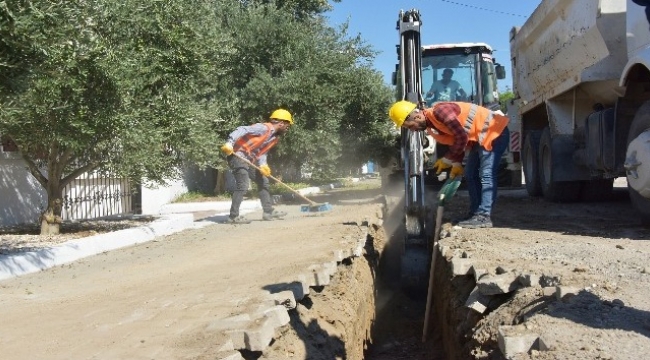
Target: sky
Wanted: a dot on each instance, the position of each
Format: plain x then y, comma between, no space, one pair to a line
443,21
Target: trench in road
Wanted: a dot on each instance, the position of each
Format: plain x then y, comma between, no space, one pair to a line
363,313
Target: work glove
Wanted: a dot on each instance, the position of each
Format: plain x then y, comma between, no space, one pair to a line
442,164
456,170
227,149
265,170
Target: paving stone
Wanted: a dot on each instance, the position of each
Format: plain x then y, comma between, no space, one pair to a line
256,337
330,267
318,277
461,266
340,255
277,314
549,291
444,250
224,343
529,280
284,298
478,273
498,284
565,292
477,301
513,341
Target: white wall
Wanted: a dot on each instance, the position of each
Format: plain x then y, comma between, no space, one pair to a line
21,197
153,198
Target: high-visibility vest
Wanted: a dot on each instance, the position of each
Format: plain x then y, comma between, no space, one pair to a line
255,146
481,125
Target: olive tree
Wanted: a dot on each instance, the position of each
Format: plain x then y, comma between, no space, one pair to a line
112,86
316,72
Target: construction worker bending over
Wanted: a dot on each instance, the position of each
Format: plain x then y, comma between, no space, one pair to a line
252,143
463,126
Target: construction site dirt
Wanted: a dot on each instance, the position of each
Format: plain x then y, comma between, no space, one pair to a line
548,281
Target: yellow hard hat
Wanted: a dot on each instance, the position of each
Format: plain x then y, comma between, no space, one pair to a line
281,114
400,110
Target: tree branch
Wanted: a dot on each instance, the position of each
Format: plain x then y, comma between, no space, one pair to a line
65,158
33,169
76,173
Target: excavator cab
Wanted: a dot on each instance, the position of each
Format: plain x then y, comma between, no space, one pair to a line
473,74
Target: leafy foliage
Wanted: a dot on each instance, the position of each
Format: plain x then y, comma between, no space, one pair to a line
136,88
504,98
321,76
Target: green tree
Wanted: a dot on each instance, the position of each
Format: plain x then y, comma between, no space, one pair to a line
137,88
504,98
317,73
108,86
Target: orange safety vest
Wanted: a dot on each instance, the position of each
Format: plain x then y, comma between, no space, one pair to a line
255,146
482,125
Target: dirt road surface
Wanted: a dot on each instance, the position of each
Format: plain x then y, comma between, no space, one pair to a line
159,300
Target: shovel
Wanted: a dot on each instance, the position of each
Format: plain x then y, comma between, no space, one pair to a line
447,191
312,207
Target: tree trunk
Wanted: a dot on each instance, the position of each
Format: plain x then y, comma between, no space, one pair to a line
220,186
51,217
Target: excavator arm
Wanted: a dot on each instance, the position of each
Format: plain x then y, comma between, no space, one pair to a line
415,256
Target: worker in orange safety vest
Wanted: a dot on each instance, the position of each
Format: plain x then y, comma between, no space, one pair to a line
464,127
252,143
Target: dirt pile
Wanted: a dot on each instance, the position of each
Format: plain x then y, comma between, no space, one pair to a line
588,276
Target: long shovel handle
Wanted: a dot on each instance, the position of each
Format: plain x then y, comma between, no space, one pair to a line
280,182
436,238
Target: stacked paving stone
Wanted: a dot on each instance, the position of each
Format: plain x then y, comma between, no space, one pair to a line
255,329
512,340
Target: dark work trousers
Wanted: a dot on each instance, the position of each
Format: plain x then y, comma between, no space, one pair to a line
243,173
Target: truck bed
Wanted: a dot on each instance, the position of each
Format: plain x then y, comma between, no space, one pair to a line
567,43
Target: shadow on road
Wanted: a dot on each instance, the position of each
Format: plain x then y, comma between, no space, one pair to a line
589,310
612,219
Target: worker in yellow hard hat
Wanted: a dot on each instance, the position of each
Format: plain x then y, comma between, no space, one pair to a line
463,126
252,143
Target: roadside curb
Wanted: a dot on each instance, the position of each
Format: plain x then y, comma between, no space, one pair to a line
255,329
33,261
174,218
220,206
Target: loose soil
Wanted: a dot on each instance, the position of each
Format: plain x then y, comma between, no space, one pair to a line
597,251
157,300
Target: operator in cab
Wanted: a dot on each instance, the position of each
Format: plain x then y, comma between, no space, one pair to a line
446,89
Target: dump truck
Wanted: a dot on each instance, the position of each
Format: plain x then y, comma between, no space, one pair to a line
417,69
581,79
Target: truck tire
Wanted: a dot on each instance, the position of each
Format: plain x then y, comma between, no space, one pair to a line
640,123
556,191
531,163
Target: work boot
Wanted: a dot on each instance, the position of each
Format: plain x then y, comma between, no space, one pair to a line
238,220
477,221
274,215
465,217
